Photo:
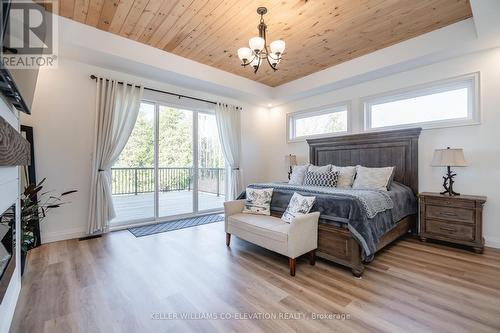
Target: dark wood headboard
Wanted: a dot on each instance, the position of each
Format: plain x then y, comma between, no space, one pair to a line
397,148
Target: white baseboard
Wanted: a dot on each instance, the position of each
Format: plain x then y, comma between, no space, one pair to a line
492,242
50,237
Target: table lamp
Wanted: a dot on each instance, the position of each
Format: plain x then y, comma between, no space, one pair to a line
449,158
291,160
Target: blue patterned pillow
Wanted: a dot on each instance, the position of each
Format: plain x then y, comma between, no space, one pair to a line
329,178
298,205
258,201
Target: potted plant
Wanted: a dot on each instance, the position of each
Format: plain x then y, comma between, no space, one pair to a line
35,205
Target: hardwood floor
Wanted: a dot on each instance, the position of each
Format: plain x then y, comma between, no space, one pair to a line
120,283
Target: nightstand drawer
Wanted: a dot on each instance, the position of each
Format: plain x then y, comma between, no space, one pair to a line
449,230
447,202
450,213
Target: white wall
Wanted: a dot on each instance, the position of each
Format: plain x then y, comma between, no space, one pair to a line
480,142
62,118
9,194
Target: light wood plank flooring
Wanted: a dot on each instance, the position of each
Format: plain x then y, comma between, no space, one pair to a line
119,283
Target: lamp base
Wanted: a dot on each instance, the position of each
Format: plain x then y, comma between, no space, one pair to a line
450,193
448,183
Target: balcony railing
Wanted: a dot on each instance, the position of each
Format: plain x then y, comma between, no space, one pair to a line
141,180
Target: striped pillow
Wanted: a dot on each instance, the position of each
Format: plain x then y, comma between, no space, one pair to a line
329,178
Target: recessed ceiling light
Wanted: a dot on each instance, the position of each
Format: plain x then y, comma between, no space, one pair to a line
269,105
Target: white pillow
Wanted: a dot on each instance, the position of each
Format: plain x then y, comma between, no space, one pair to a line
372,178
298,173
298,205
320,169
346,175
258,201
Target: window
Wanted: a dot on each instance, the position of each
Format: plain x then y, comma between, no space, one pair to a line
325,121
448,103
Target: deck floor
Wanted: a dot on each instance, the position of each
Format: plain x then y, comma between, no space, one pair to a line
141,206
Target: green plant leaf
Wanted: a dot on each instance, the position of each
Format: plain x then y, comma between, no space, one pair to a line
68,192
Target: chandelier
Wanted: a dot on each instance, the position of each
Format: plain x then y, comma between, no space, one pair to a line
259,50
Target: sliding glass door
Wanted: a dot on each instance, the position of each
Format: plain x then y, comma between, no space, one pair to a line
175,161
172,166
211,166
133,174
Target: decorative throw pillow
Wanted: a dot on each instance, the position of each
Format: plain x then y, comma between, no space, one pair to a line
346,175
373,178
298,205
321,178
258,201
298,173
325,168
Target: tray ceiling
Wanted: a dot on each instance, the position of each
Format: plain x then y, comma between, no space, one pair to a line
318,34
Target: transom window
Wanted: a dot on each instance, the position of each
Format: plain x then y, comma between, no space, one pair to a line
325,121
448,103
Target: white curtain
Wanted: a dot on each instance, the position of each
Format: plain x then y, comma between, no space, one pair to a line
229,127
117,107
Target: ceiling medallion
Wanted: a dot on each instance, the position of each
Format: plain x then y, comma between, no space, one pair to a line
259,50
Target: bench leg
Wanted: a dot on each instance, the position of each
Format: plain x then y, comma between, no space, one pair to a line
312,257
291,264
228,239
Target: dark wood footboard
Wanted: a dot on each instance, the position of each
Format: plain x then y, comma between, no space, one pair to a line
337,244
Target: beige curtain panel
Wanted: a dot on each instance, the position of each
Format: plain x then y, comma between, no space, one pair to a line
229,128
117,106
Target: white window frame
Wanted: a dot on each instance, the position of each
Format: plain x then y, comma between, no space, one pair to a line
469,81
318,111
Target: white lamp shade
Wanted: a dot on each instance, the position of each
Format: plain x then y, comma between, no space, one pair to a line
273,60
278,46
255,62
449,157
291,159
245,54
256,43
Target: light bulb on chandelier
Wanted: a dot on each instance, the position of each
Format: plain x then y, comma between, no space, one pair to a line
259,50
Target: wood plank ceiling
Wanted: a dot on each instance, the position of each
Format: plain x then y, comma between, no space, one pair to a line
318,34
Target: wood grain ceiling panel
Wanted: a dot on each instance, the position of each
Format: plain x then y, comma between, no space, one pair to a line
318,34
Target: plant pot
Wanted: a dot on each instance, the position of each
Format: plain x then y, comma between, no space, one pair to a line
23,261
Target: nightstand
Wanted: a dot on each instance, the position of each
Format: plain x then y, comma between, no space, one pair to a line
454,219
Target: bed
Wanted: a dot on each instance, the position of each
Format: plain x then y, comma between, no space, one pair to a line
353,242
397,148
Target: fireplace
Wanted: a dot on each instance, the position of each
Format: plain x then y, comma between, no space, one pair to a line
7,248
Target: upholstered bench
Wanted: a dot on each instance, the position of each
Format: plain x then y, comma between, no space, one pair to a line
289,239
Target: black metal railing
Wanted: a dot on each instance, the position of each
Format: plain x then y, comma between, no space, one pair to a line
141,180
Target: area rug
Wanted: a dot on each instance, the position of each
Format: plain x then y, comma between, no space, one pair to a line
152,229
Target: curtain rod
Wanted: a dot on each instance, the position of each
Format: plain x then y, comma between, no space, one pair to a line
93,77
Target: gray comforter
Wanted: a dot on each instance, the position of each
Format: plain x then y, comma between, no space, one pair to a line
368,214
